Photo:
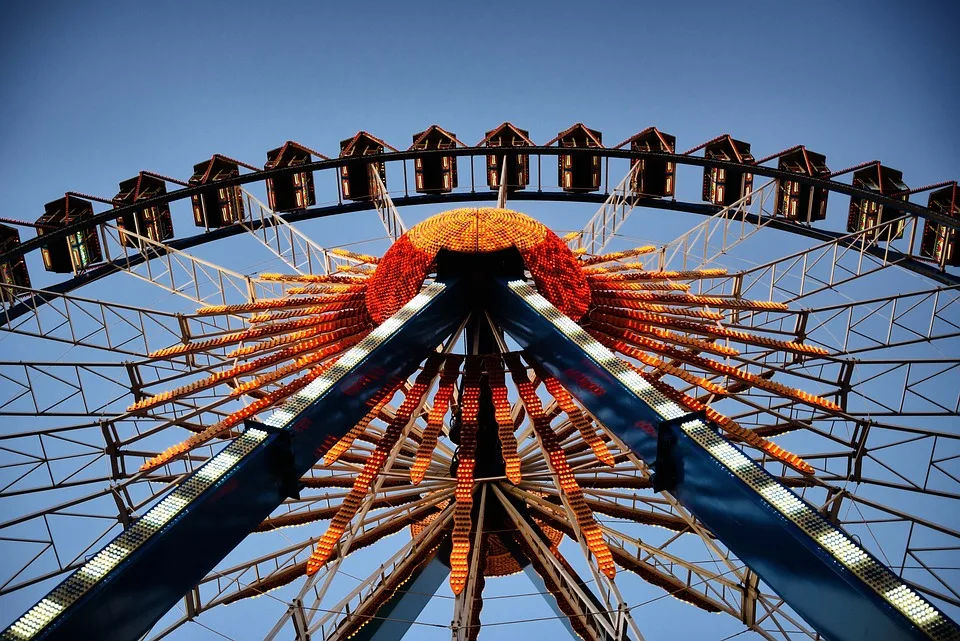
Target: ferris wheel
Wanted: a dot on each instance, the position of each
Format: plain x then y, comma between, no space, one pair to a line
728,402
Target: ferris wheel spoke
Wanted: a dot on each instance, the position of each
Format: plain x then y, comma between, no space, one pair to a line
713,546
719,234
181,413
85,322
178,272
642,509
916,386
341,619
606,222
865,440
861,326
734,590
588,616
383,203
701,586
442,454
785,626
617,509
60,523
311,509
254,578
358,513
79,389
285,241
261,575
469,602
659,568
827,266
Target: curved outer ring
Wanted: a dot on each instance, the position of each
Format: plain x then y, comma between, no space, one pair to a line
907,262
758,170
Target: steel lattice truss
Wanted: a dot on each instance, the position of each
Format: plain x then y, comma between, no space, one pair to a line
885,356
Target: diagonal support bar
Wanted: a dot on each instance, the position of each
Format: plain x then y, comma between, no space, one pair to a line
285,241
778,535
387,211
604,224
116,595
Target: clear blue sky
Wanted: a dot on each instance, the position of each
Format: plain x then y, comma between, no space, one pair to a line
93,92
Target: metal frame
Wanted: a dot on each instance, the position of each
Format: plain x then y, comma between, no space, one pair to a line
606,153
867,258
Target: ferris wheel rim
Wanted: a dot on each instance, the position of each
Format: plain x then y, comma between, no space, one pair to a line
97,272
605,152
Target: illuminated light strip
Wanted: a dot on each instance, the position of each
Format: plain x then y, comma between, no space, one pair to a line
733,428
297,518
712,330
345,284
374,464
841,547
311,278
653,286
628,377
321,334
273,303
616,303
329,321
77,584
661,365
92,571
665,334
291,573
287,278
583,424
466,461
234,419
245,413
627,291
728,370
617,267
302,362
557,461
329,289
357,269
694,274
609,258
244,368
260,363
356,306
441,403
338,277
496,378
382,398
917,610
363,258
557,275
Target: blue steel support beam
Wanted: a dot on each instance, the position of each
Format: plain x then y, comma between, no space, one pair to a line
123,590
396,616
823,574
